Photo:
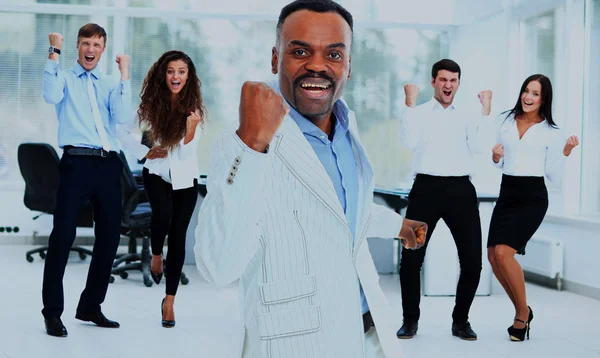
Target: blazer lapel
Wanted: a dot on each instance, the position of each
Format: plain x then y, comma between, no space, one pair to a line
365,183
293,149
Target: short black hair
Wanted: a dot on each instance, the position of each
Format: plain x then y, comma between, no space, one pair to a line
320,6
444,64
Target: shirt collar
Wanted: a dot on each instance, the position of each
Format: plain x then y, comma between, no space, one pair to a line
340,110
79,70
436,106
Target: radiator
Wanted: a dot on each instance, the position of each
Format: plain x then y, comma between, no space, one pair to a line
543,260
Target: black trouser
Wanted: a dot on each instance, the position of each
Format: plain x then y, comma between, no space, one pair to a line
171,214
454,200
84,178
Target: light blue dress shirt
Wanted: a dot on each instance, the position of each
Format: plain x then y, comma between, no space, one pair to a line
337,157
67,90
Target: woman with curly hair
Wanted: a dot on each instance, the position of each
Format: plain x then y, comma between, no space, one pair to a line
171,108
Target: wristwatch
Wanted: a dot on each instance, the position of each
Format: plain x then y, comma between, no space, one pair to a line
54,49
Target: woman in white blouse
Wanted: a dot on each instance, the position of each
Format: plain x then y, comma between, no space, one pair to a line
171,108
530,146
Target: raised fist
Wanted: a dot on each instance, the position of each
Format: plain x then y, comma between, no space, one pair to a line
411,91
497,153
485,97
261,113
572,142
123,62
193,119
56,39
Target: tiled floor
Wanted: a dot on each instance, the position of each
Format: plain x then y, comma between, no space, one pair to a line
565,325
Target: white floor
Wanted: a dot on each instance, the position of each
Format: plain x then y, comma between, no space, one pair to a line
565,325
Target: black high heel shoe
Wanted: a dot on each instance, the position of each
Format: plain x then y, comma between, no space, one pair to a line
156,277
165,322
518,334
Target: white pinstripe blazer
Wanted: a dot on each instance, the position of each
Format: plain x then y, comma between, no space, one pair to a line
274,222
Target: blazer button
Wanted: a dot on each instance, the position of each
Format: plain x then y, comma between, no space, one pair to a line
237,160
230,180
234,168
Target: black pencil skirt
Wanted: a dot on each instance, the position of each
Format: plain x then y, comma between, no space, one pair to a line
519,212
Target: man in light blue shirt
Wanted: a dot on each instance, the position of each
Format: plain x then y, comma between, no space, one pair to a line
88,106
337,157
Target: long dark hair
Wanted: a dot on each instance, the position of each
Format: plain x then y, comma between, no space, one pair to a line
167,123
545,109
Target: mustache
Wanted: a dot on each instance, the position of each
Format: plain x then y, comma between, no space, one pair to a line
314,75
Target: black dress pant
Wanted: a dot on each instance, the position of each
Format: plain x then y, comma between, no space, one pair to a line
171,214
84,178
454,200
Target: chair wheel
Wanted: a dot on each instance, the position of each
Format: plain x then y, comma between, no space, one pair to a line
111,279
29,258
185,280
147,282
42,255
82,255
123,275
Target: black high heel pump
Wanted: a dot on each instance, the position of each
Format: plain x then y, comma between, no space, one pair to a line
165,322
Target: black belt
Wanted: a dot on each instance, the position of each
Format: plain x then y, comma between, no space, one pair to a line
428,176
368,321
87,151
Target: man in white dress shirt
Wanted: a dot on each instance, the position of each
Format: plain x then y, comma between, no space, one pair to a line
290,204
443,140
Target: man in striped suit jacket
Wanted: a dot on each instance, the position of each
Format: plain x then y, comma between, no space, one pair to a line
290,204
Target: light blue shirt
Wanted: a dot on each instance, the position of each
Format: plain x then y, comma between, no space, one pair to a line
337,157
67,91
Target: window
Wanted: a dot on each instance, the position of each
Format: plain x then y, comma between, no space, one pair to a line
24,115
226,51
590,183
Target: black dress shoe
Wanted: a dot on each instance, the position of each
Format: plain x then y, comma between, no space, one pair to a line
55,327
98,318
165,322
408,329
463,330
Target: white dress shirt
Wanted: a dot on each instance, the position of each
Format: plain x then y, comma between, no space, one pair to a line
443,140
179,167
537,153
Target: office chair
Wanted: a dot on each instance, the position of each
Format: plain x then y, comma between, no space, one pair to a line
135,222
38,163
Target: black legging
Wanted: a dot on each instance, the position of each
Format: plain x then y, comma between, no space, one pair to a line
171,214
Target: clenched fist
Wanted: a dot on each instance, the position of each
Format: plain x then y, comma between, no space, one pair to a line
485,97
411,91
261,112
193,119
157,152
412,234
123,62
572,142
497,153
56,39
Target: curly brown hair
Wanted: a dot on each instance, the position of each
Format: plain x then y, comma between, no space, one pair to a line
166,122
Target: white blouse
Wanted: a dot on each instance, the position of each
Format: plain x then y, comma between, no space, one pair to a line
539,152
179,167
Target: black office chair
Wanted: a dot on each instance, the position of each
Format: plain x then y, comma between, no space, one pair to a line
38,163
135,222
